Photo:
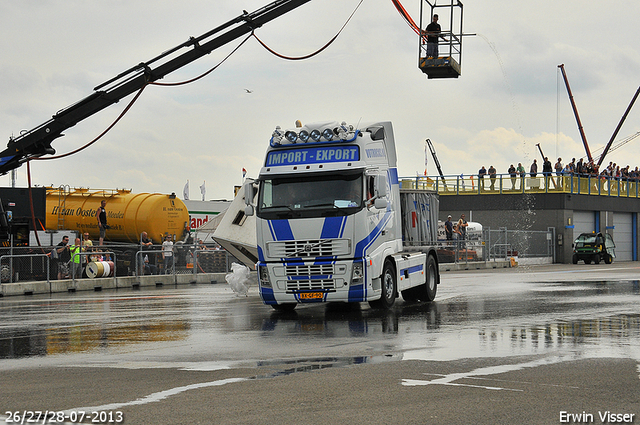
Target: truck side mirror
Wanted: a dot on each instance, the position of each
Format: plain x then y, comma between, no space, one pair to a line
248,210
380,203
248,193
381,186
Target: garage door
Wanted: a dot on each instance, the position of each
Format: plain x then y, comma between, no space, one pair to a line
622,236
584,222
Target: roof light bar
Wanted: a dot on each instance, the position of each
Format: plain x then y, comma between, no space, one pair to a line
324,134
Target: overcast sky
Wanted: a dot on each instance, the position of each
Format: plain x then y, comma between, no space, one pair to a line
510,95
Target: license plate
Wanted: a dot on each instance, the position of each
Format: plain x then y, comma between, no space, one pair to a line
311,295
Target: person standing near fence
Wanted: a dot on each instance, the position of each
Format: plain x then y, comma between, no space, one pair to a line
75,250
512,174
167,254
448,228
462,228
522,173
86,242
63,258
492,176
481,173
146,244
87,246
559,169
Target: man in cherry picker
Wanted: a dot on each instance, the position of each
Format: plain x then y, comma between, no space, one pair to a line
433,32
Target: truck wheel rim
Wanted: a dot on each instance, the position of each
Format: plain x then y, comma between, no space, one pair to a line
388,286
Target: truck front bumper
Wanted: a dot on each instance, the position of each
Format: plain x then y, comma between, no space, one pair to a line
312,282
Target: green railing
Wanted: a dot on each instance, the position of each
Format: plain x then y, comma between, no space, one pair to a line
505,184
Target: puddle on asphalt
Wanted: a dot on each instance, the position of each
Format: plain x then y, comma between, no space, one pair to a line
550,317
44,341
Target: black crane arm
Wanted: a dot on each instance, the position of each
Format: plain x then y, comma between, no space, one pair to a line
37,142
435,159
541,153
575,112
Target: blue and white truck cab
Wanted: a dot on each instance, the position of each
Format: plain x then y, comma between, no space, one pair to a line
329,220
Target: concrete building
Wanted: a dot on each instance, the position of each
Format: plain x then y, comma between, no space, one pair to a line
572,206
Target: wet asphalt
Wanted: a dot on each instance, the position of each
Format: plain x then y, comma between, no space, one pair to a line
534,344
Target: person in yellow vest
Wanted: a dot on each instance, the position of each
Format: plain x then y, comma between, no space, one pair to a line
76,269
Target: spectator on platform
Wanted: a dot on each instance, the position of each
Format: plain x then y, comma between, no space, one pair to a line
492,176
512,175
481,173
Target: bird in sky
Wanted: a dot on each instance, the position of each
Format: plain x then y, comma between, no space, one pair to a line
248,91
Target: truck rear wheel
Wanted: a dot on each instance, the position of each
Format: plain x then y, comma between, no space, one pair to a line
431,285
389,287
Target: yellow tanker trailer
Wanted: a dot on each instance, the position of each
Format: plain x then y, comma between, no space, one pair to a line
128,214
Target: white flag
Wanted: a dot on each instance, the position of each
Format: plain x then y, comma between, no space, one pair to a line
203,191
185,192
425,158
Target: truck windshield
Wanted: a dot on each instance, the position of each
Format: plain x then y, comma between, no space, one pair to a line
317,195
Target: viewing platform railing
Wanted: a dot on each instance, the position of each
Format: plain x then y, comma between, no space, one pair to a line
505,184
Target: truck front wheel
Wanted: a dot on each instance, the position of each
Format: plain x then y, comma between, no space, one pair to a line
389,287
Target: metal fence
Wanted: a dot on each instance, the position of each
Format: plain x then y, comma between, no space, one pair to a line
186,259
504,243
36,264
496,244
506,185
21,264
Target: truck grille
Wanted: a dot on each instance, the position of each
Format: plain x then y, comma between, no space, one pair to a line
311,284
309,248
312,270
315,277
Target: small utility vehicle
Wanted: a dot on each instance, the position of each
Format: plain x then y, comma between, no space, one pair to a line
594,247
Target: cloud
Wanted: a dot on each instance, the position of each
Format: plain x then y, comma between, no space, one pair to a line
508,98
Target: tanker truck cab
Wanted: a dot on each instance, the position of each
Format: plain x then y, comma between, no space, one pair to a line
328,220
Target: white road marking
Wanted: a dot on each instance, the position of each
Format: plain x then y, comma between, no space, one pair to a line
484,371
151,398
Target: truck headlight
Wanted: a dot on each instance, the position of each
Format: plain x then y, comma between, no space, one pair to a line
291,136
263,273
357,274
315,135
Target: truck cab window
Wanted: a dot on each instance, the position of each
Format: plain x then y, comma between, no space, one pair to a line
314,195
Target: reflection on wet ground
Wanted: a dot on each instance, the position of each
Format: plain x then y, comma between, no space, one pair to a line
46,327
602,317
